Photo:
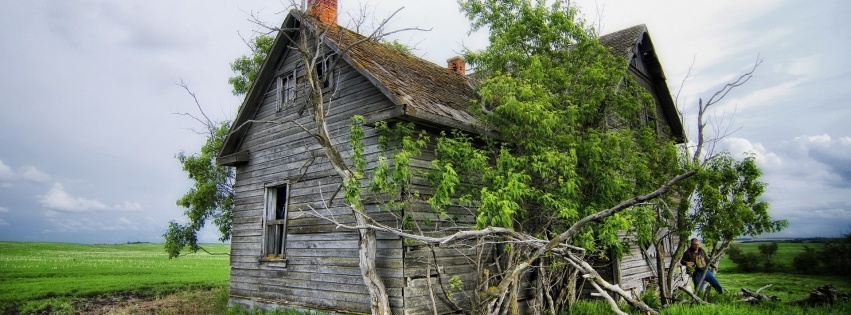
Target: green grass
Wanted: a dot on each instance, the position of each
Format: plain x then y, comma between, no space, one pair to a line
764,309
786,286
786,283
50,277
33,275
786,252
732,308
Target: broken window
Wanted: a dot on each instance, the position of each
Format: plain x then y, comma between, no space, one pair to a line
321,70
275,222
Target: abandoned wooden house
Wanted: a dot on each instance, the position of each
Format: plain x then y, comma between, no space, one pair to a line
284,256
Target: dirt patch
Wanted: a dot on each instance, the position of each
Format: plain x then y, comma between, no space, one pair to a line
181,303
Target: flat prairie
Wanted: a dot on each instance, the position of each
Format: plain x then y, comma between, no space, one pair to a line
39,276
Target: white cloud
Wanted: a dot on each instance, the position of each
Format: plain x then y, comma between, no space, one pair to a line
823,138
60,200
128,206
740,146
4,209
804,66
835,154
763,97
27,173
6,172
33,174
3,222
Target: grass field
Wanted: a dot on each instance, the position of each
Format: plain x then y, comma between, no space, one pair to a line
34,275
55,278
786,283
786,252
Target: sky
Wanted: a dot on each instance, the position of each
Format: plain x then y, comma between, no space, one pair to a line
90,106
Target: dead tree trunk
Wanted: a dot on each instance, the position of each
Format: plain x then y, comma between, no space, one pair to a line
757,297
826,294
661,274
379,301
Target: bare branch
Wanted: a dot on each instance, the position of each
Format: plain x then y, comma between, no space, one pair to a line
207,121
763,288
720,94
683,84
195,118
692,295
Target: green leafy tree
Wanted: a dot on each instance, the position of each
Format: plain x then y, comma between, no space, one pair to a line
572,126
728,201
723,201
747,262
248,66
211,196
575,141
398,46
767,252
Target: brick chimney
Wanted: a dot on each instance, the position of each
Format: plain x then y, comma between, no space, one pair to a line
457,65
324,10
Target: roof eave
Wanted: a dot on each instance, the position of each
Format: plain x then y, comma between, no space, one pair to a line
672,115
256,92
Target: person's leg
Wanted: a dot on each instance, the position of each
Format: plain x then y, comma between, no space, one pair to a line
710,277
698,277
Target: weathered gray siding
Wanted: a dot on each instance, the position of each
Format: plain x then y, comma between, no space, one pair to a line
429,269
322,267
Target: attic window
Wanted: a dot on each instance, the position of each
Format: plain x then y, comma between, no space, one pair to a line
328,79
286,90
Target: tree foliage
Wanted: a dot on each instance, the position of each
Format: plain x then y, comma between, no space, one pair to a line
211,196
832,256
574,131
728,201
248,66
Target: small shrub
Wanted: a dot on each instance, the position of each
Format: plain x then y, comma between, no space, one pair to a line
832,257
747,262
767,251
806,261
651,298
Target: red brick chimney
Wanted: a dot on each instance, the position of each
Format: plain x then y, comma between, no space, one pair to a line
324,10
457,65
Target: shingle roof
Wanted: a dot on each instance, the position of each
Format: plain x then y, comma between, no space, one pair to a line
423,90
416,84
622,42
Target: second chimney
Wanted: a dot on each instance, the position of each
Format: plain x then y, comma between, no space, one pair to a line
324,10
457,65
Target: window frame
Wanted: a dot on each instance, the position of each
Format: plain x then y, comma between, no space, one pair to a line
321,68
274,224
285,89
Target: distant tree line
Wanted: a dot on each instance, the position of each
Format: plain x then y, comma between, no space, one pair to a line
833,258
824,257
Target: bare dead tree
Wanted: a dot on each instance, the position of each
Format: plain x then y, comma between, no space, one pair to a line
704,150
718,123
